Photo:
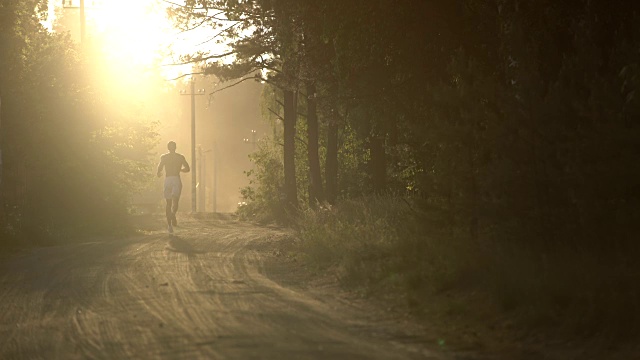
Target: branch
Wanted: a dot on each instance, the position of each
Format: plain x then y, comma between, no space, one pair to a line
185,6
282,104
301,140
181,76
222,10
276,114
217,56
263,65
193,28
206,15
219,33
255,77
219,19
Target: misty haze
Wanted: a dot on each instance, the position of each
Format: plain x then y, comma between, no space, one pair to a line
297,179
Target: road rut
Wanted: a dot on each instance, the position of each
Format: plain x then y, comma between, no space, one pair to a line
200,293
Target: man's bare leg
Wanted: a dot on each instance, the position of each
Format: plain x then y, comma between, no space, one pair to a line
174,210
168,212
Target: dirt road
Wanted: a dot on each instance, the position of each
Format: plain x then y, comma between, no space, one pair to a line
200,293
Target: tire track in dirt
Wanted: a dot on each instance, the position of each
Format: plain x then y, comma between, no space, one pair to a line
200,293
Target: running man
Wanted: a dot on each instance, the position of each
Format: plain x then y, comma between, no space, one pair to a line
173,164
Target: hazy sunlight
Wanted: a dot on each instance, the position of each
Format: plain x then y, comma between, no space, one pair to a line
133,32
134,36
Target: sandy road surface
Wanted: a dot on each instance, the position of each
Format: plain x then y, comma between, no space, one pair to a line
200,293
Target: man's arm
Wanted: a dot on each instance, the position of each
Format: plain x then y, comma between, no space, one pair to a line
185,165
160,166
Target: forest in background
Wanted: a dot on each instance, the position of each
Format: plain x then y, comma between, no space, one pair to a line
487,147
74,150
515,119
438,145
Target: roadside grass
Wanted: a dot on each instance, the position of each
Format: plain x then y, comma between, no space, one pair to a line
388,247
17,233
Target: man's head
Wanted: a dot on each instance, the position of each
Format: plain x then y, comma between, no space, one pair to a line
171,145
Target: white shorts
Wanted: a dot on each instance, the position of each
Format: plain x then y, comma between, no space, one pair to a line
172,187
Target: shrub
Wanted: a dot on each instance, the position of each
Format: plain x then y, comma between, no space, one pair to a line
382,241
263,197
389,243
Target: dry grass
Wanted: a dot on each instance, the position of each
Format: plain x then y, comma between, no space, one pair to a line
384,245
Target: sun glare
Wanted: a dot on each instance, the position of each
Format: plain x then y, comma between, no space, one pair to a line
133,35
135,32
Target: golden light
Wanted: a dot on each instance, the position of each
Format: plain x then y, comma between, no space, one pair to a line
129,46
134,32
132,36
135,36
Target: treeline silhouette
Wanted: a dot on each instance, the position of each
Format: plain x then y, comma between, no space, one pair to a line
71,155
508,129
517,120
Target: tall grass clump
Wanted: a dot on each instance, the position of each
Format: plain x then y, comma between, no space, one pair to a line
385,244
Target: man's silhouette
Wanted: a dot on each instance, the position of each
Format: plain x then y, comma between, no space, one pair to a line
173,164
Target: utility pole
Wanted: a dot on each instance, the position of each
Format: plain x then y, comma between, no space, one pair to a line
193,141
252,141
83,22
202,187
203,181
193,146
215,176
83,19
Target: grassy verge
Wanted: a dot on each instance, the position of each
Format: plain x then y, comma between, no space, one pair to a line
386,245
16,233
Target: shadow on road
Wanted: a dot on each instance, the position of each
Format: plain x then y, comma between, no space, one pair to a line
182,246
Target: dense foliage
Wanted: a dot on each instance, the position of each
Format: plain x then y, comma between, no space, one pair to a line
485,147
516,120
71,159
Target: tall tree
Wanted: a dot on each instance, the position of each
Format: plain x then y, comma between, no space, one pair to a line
266,39
316,192
59,151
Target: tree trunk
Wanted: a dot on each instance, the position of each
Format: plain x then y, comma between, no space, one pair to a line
378,165
290,189
2,218
316,193
474,195
1,207
331,165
